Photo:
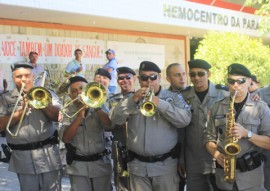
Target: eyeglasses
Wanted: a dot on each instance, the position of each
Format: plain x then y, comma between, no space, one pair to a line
128,77
238,81
146,78
194,74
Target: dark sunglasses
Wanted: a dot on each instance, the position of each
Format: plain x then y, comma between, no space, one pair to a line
238,81
152,77
194,74
128,77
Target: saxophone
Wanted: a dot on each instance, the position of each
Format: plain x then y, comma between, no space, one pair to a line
232,147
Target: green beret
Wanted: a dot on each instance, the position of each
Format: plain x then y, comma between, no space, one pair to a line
149,66
198,63
238,69
125,70
21,64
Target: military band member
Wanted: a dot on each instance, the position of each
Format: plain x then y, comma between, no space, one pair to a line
264,93
254,86
35,156
89,167
126,78
252,119
103,77
176,76
201,96
152,141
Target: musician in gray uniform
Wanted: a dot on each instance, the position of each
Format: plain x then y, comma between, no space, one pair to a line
176,76
35,155
152,140
201,96
126,78
89,166
264,93
251,129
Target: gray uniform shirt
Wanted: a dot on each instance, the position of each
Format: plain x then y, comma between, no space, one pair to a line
36,126
88,140
197,159
254,116
156,135
264,93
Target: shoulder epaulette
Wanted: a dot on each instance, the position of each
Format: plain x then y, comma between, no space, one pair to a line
222,87
186,89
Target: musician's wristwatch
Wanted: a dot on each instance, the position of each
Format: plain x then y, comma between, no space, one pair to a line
249,135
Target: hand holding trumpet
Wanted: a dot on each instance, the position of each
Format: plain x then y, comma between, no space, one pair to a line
140,94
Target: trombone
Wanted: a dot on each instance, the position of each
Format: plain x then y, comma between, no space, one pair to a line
148,108
93,95
62,90
37,97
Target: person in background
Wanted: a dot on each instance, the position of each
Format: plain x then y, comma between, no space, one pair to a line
253,88
35,154
176,76
152,140
37,68
76,67
198,162
111,67
5,86
248,124
89,166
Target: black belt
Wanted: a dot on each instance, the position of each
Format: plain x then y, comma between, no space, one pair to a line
93,157
53,140
174,153
248,162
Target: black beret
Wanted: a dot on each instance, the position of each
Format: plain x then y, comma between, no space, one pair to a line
103,72
125,70
238,69
254,78
76,79
198,63
21,64
149,66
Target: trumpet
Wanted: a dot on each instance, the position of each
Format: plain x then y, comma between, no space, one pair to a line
93,95
148,108
37,97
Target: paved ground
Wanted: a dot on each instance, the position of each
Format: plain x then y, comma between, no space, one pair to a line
9,181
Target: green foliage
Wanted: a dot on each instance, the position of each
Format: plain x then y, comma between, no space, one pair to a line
263,10
221,49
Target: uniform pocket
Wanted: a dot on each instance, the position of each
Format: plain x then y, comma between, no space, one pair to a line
251,124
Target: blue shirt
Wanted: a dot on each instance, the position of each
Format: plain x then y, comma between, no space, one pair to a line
112,64
73,66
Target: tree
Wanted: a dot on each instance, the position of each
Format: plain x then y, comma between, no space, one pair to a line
263,11
221,49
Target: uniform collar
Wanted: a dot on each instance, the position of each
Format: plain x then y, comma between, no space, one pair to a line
249,102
